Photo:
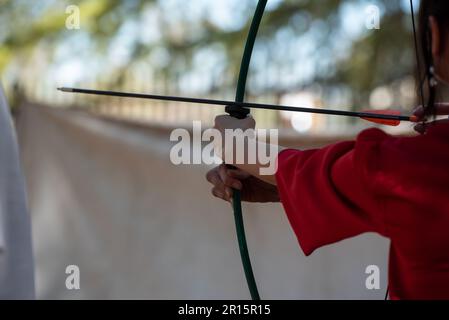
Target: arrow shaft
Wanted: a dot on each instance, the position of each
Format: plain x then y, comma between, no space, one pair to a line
239,104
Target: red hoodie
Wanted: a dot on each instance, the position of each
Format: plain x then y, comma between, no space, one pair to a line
395,186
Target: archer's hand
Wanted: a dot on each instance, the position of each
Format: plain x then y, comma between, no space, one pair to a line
227,122
252,189
442,109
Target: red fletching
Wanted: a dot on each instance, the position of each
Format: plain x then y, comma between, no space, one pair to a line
387,122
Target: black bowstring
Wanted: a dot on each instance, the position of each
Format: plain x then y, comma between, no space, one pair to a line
418,60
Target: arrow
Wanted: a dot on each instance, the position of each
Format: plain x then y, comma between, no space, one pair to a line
384,117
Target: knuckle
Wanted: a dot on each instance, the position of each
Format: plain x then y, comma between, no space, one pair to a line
228,181
209,176
217,193
222,170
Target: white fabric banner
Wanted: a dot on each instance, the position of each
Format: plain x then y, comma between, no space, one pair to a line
16,259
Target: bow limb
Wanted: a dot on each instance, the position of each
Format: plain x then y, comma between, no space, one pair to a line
240,112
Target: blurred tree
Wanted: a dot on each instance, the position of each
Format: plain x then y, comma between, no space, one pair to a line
372,58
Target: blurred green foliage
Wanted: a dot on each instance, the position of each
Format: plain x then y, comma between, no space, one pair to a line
374,58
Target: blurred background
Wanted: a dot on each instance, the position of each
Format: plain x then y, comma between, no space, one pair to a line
103,194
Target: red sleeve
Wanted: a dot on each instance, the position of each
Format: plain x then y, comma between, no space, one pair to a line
328,193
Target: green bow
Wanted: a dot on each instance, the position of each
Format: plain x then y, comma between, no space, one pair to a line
239,112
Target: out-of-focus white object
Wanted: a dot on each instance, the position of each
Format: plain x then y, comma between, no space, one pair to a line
16,258
300,122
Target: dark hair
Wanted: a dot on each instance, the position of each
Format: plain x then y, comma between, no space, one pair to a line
440,10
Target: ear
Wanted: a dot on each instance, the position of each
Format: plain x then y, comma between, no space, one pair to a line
436,40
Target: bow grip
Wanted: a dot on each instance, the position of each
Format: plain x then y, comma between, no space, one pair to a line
237,112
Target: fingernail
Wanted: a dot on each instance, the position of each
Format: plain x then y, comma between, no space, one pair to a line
236,185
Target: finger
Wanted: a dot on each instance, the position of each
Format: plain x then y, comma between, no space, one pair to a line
419,112
422,127
227,179
225,193
218,193
238,174
440,108
229,193
213,177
